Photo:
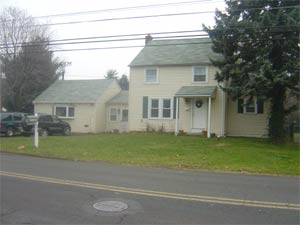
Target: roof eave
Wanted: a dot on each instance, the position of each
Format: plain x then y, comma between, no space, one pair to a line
64,102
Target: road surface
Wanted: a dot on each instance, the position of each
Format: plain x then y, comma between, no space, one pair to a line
50,191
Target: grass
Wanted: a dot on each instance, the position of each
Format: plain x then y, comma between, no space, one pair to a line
249,155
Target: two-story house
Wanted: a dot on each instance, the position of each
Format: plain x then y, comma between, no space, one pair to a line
173,88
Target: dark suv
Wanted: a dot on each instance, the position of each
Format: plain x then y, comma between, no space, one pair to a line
48,125
11,123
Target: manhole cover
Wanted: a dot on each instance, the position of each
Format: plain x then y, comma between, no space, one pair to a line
110,206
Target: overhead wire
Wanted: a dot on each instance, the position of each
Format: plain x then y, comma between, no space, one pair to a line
135,46
154,16
128,8
123,36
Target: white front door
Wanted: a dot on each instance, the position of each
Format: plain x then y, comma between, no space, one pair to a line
199,115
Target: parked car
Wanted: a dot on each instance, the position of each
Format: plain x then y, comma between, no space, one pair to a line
11,123
48,125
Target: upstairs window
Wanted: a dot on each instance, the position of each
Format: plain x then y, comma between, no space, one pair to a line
199,74
151,76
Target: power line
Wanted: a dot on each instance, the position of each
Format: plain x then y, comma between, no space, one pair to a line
103,41
137,46
54,42
154,16
104,37
128,8
124,18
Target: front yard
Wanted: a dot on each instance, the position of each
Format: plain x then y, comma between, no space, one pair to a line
163,150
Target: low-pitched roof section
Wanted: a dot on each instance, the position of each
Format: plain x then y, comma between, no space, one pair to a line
121,98
196,91
176,52
74,91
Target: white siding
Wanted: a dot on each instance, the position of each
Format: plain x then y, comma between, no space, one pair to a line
171,79
253,125
84,120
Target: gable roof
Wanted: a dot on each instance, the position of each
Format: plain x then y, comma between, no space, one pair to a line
176,52
121,98
74,91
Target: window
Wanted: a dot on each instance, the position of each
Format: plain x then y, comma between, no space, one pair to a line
199,74
113,114
55,119
151,75
6,117
125,115
250,107
154,108
65,111
254,106
45,119
166,108
160,108
18,117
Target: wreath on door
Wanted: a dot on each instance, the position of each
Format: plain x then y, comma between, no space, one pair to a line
198,103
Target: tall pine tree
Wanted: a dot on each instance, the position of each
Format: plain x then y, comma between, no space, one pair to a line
259,40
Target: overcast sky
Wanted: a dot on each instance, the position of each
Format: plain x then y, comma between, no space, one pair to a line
94,64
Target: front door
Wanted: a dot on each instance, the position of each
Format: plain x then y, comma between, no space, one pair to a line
199,115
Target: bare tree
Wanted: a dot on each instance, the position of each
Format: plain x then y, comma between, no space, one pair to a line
28,64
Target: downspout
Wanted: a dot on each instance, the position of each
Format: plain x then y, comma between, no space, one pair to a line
176,122
224,105
208,120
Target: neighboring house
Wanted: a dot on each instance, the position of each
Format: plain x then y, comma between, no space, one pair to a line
117,113
81,103
173,88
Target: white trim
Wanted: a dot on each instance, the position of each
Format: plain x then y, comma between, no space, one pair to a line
196,96
208,118
193,102
110,114
177,111
67,111
157,75
245,107
122,109
223,113
160,108
206,75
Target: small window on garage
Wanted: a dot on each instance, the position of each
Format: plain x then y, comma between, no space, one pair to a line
113,114
65,111
125,115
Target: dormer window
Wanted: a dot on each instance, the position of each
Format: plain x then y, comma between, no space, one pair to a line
151,75
200,74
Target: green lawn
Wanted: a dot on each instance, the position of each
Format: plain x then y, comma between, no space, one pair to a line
227,154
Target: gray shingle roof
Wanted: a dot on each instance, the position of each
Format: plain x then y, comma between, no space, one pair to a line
175,52
194,91
121,98
72,91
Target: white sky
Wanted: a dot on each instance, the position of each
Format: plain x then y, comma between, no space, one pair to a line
94,64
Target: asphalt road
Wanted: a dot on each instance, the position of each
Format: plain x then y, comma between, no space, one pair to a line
48,191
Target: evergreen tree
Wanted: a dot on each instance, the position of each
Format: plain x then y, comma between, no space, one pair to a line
259,40
123,82
27,63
